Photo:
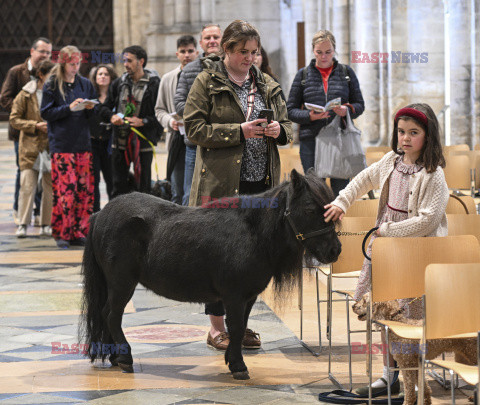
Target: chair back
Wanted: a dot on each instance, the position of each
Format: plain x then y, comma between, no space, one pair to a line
457,172
459,224
474,158
453,148
351,258
363,208
289,159
452,300
372,157
455,206
398,264
383,149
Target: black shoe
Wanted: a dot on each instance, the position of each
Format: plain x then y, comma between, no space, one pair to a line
63,244
395,388
78,242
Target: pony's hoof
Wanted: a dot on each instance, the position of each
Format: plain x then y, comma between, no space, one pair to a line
240,375
113,361
126,368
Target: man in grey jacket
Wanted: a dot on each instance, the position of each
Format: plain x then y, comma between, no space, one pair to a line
210,38
166,115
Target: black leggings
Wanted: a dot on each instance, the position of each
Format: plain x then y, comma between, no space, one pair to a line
246,187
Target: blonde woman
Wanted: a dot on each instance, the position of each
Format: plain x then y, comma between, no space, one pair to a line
69,139
323,80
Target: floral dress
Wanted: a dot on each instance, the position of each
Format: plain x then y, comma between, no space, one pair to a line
395,210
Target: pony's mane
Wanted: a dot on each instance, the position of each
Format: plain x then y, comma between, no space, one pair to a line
322,194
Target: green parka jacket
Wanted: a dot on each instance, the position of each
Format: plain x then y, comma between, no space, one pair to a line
212,116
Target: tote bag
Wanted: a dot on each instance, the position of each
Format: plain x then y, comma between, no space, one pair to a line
338,152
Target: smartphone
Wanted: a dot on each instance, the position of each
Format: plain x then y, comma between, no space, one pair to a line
268,114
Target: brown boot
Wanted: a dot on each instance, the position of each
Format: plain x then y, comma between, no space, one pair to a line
220,342
251,340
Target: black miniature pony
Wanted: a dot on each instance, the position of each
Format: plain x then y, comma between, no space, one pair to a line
228,251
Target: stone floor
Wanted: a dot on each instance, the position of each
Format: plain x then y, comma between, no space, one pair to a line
40,363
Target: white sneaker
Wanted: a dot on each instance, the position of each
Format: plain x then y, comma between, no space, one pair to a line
45,230
21,231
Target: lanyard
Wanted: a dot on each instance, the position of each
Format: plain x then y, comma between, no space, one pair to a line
251,99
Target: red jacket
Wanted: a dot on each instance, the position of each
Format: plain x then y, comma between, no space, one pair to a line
17,77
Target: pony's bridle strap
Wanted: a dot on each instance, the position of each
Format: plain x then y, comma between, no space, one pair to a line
300,236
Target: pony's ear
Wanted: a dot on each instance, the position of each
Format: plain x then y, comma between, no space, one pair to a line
297,180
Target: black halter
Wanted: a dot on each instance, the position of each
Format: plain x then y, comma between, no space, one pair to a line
300,236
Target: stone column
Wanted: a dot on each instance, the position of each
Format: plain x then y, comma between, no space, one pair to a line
340,27
264,15
476,75
461,71
169,19
129,20
364,29
290,14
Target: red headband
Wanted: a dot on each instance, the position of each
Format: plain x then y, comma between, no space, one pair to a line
411,112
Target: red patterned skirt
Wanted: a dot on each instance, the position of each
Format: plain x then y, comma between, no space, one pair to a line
72,185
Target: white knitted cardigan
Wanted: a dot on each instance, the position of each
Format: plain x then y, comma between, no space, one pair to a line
427,200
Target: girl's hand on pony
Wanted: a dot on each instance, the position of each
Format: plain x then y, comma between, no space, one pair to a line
333,213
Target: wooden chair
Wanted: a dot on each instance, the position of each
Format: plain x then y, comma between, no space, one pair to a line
398,271
452,290
289,159
460,224
348,265
457,173
363,208
384,149
461,205
451,148
372,157
474,158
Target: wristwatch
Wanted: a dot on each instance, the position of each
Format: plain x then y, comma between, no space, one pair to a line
144,121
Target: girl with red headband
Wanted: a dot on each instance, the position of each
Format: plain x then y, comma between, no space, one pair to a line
413,196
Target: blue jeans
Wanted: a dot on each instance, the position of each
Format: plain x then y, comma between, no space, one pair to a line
307,156
190,154
178,176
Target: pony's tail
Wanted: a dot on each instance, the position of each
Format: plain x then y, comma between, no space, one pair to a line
93,328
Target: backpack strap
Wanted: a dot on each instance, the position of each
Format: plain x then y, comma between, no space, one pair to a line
304,76
345,73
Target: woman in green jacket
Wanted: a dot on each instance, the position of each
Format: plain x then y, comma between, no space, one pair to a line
237,151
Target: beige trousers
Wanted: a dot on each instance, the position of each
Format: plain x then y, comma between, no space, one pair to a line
28,186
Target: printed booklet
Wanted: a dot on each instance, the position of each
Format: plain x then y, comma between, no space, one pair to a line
330,105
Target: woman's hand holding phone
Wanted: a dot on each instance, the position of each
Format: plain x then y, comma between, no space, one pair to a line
272,130
253,129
